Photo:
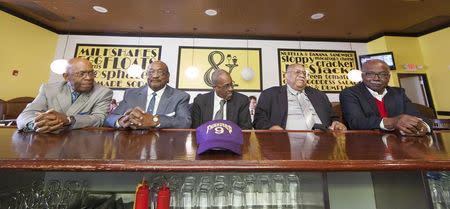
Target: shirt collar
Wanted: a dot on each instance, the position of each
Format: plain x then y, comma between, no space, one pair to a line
158,93
71,88
376,94
293,91
216,97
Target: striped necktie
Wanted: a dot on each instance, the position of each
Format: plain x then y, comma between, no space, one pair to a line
75,96
219,113
151,104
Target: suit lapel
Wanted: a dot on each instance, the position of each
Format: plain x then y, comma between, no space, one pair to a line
78,105
230,109
389,103
316,103
141,97
369,98
64,98
209,106
164,101
282,98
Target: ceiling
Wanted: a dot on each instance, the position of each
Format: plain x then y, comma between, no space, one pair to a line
345,20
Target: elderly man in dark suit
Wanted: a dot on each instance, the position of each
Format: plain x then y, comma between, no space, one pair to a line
155,105
295,106
221,103
372,104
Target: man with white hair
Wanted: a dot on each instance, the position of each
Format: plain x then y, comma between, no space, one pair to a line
76,102
295,106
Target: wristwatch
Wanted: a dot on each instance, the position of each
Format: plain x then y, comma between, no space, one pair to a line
155,118
71,120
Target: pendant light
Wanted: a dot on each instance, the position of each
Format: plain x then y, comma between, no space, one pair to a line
135,70
247,73
354,75
192,71
59,66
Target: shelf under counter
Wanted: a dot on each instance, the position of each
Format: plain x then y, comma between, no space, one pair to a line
104,149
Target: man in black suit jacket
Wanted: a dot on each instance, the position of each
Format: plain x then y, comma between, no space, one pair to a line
372,104
272,108
206,106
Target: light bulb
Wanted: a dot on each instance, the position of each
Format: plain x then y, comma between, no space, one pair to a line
191,72
247,73
354,75
134,71
59,66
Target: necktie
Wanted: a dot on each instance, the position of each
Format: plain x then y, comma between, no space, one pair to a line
151,104
74,96
219,113
309,118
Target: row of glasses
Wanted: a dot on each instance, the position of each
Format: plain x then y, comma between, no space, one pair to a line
53,195
230,191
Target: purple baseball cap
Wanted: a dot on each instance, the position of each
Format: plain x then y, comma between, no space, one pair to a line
219,135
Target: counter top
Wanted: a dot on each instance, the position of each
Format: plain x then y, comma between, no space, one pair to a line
104,149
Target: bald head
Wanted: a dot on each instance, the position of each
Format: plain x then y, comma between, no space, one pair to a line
78,62
80,75
375,63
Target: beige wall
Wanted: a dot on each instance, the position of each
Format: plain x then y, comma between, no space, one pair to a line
27,48
431,50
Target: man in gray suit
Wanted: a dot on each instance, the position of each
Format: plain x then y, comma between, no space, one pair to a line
74,103
155,105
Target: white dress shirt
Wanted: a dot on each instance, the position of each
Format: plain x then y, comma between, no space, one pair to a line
159,93
379,97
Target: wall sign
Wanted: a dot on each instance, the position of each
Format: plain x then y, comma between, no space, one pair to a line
327,69
112,61
243,64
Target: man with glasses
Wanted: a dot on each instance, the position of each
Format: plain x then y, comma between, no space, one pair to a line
295,106
373,104
155,105
222,103
74,103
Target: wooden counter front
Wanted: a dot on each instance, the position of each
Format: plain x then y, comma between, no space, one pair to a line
106,149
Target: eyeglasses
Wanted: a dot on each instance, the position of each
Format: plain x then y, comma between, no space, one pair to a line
82,74
227,86
371,75
156,73
298,72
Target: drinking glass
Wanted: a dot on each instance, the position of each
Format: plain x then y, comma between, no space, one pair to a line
220,196
187,196
238,195
263,194
293,191
203,196
250,191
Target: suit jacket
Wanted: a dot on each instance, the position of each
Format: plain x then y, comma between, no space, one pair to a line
360,110
90,109
237,110
172,109
272,108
